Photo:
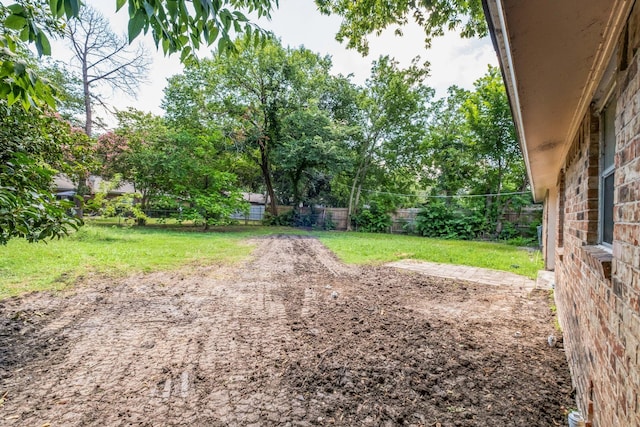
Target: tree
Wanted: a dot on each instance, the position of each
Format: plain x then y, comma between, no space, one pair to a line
68,92
361,18
170,164
392,120
103,58
138,150
448,159
311,150
176,26
79,159
29,156
494,143
248,96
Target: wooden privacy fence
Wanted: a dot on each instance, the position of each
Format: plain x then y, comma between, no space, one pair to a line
402,220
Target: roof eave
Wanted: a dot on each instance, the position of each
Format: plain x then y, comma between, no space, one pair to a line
494,14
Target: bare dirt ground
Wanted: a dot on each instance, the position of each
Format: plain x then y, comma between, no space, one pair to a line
291,338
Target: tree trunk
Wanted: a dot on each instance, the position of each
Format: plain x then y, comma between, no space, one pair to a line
82,189
356,189
499,206
295,184
88,124
351,197
266,175
363,173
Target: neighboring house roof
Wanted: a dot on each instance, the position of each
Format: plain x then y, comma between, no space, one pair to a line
62,183
64,186
255,198
125,187
553,55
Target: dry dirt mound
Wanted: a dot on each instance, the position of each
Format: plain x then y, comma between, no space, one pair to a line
292,338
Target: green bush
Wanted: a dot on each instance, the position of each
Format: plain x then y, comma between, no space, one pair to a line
285,219
449,222
328,222
509,231
372,220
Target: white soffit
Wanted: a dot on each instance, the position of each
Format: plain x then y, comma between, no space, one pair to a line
553,54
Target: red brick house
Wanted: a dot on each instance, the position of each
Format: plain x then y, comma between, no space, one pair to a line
571,68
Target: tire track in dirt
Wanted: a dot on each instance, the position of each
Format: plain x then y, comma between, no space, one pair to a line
292,337
148,349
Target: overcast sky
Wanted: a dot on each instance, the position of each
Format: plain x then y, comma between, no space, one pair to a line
297,22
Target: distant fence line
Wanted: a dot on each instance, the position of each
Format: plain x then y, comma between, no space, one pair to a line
402,220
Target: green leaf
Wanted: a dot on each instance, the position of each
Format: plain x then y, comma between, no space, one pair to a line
136,24
240,17
197,6
172,8
16,9
43,42
186,52
24,34
148,8
212,35
15,22
119,4
57,7
71,7
225,18
222,44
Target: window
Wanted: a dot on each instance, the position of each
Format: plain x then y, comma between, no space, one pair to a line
607,155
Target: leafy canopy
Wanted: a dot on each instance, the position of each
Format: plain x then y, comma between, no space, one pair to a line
362,18
175,25
30,153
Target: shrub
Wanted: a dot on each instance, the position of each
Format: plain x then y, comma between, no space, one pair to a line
509,231
285,219
372,219
328,222
449,222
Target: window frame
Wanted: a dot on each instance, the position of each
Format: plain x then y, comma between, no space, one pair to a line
606,171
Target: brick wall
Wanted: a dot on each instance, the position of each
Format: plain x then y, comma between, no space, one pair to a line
598,291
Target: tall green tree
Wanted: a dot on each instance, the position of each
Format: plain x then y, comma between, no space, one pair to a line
248,96
392,119
449,160
500,164
312,149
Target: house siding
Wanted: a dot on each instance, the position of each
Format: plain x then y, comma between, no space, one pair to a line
597,290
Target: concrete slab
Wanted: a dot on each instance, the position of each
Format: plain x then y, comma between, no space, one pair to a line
472,274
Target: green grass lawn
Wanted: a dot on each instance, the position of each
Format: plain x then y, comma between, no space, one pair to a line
365,248
117,251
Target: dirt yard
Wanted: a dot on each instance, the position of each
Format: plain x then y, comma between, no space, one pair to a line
291,338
